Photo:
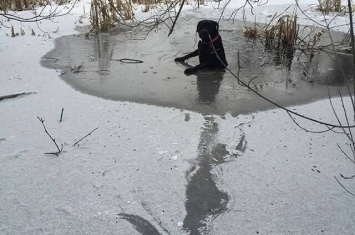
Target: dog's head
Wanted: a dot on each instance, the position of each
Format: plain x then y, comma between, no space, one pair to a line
206,28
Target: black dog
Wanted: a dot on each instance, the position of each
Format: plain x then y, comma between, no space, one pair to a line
210,42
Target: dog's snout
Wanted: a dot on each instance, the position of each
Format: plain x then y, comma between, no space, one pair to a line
204,32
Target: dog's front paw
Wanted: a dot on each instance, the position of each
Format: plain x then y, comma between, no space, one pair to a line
179,59
189,71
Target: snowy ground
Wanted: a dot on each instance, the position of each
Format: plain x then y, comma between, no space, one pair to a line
282,182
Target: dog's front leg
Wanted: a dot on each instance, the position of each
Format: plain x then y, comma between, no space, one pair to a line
183,58
197,67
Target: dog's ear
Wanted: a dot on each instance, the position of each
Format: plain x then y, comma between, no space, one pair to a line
198,26
217,25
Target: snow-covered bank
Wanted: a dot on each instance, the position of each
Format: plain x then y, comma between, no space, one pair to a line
136,162
284,181
120,166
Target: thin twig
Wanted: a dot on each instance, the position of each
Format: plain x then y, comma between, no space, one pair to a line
344,186
307,130
85,136
239,67
45,129
346,155
335,113
176,18
352,39
347,119
347,178
251,79
14,95
61,115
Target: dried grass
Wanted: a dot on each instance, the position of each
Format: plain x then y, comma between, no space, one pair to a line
327,6
251,33
147,5
283,35
100,17
279,38
105,13
19,5
124,8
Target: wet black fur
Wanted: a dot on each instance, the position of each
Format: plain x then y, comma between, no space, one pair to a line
205,51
